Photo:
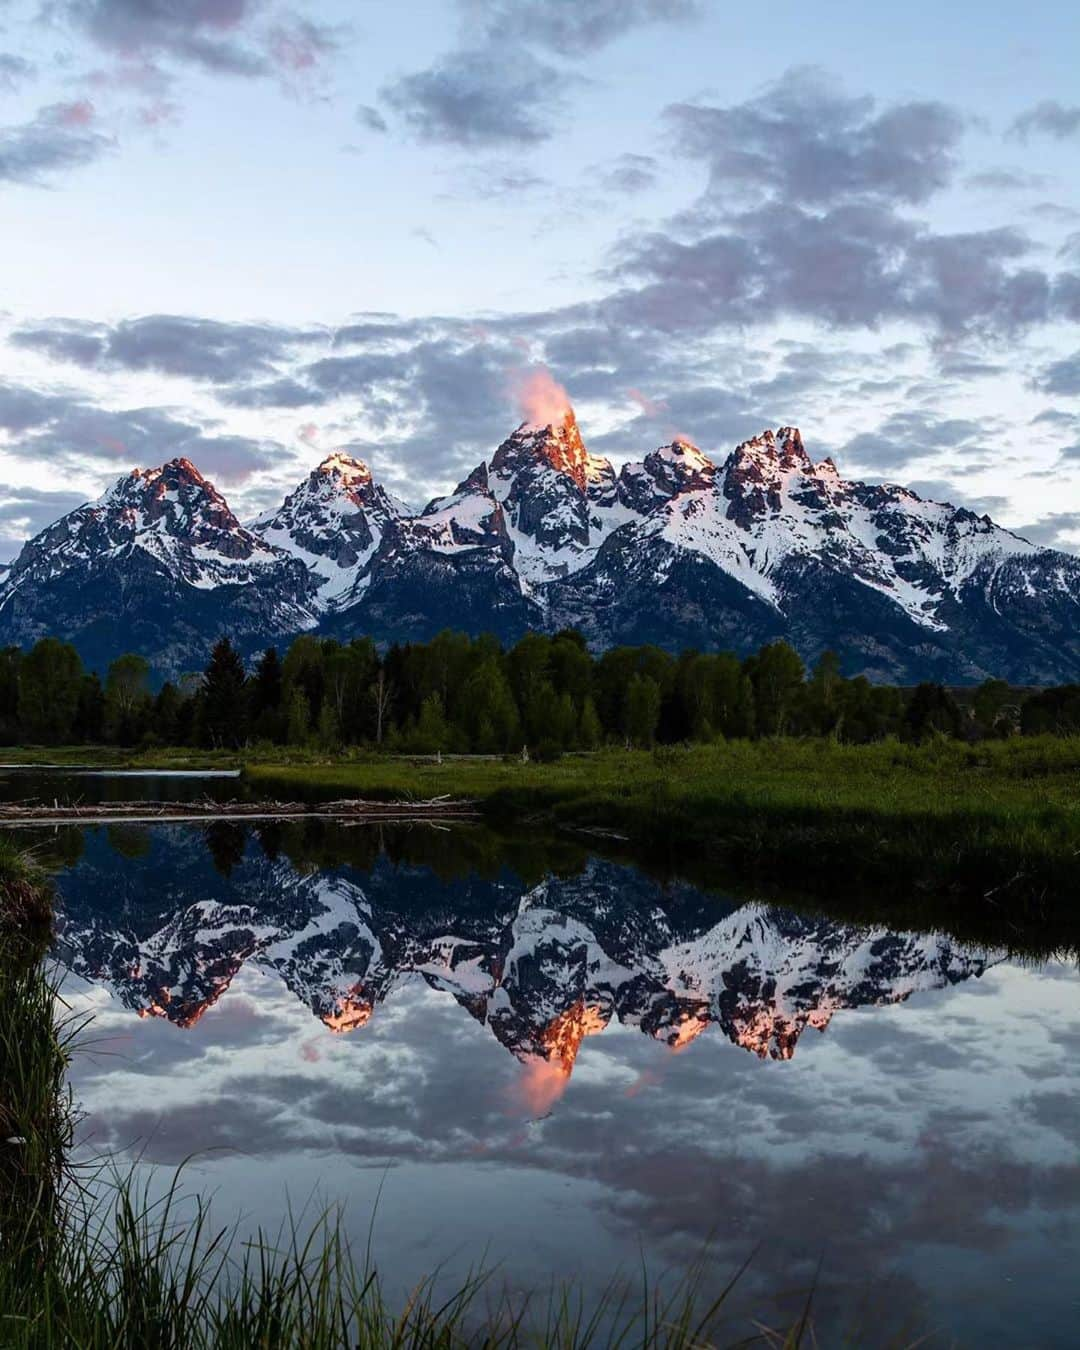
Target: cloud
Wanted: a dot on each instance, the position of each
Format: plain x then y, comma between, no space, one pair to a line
1057,529
59,138
853,265
479,98
1061,377
541,399
200,349
628,173
283,393
913,435
1048,118
1006,180
806,143
68,431
24,512
14,71
371,118
300,47
577,28
943,490
198,32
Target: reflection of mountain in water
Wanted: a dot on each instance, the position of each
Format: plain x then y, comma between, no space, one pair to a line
543,967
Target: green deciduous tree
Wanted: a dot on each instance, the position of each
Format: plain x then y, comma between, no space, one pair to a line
642,712
50,677
776,674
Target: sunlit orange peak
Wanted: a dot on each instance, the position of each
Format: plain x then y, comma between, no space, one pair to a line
350,1013
562,1039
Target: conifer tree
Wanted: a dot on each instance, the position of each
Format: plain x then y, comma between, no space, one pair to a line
224,711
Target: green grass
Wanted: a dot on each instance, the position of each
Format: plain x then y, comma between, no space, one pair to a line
995,826
25,899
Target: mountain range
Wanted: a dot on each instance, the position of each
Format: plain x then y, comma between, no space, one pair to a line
675,549
540,965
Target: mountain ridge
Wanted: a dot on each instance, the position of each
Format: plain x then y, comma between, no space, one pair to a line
674,548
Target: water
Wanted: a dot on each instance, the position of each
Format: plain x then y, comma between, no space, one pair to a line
562,1063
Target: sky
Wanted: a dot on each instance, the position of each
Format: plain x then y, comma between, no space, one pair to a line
256,233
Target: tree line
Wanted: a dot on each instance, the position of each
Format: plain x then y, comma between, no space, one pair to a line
457,694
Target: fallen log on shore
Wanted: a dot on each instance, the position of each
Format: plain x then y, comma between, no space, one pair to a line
352,810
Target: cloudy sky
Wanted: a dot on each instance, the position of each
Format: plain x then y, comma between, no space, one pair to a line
254,233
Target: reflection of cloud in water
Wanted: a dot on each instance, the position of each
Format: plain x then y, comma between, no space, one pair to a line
924,1149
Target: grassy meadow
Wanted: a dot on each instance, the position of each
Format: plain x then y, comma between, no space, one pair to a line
995,826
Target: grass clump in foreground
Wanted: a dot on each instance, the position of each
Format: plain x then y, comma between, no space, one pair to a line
25,900
994,825
99,1263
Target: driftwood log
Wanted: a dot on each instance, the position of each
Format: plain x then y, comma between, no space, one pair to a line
41,813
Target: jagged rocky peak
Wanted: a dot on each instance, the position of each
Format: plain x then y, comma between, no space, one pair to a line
333,522
681,464
344,468
173,500
662,475
558,444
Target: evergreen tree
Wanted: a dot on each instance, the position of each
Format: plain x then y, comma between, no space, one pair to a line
224,710
825,696
329,727
490,713
776,674
932,711
265,697
165,714
590,732
994,707
10,661
90,716
432,730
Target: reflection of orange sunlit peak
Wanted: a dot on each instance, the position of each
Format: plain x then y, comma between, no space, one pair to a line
165,1007
688,1028
541,1085
351,1012
546,1074
562,1039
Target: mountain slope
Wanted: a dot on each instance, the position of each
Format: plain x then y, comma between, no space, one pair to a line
158,565
333,523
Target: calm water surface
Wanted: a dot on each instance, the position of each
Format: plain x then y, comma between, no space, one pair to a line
561,1062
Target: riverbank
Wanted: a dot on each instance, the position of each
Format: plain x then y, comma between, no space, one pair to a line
994,826
986,834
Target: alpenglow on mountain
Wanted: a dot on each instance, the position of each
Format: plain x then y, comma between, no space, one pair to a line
675,549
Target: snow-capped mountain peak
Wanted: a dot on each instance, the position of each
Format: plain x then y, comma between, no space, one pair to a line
333,522
150,566
350,471
557,444
674,550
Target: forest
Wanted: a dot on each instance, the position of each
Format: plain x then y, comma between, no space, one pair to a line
461,695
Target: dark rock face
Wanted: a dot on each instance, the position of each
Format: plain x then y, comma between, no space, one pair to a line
672,550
